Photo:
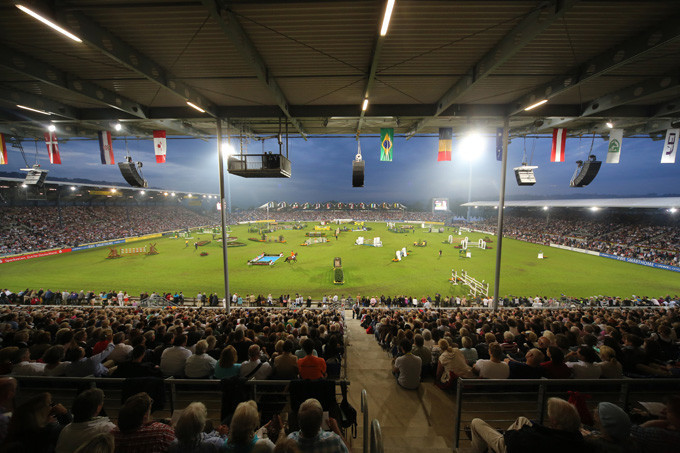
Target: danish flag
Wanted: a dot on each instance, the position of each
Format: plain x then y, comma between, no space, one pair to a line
160,146
52,147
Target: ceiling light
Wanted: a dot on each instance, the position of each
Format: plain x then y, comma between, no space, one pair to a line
142,192
49,23
364,106
472,145
51,128
23,186
476,207
118,126
33,110
673,210
173,194
545,208
113,190
533,106
192,105
73,187
594,209
610,125
386,18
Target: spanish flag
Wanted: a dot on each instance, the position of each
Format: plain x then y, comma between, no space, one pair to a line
445,136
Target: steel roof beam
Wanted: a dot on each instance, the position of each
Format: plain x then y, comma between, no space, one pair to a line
18,97
667,108
612,58
97,37
50,75
522,34
231,27
375,58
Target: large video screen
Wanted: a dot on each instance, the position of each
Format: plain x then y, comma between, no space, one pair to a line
440,204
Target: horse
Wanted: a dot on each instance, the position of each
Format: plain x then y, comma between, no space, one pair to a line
290,259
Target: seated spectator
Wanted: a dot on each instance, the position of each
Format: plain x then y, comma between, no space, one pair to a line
560,435
662,435
200,365
254,368
407,367
35,425
493,368
286,364
86,421
53,361
311,438
451,366
483,348
610,368
82,366
137,368
530,369
612,430
585,368
468,351
23,365
121,351
425,354
174,359
509,346
555,368
244,424
137,432
8,389
226,367
310,366
191,437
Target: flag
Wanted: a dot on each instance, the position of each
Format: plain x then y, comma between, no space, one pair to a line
670,146
3,150
52,147
106,148
386,144
160,146
614,150
445,136
499,143
558,142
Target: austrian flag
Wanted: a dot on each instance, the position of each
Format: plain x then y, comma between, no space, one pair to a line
52,147
160,146
559,139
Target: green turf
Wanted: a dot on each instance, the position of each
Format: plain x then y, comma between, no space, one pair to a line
367,270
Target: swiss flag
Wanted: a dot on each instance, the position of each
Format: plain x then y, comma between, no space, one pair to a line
160,146
52,147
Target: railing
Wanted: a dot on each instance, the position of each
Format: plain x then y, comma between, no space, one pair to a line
503,400
364,411
376,437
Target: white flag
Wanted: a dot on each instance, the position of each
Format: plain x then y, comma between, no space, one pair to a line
670,146
614,151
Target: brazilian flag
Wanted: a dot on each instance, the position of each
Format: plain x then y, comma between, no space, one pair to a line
386,144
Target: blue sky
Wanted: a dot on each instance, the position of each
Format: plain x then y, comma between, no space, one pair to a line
322,168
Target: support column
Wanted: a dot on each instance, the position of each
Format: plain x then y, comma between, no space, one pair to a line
223,214
501,205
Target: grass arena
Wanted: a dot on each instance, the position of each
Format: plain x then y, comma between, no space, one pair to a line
183,265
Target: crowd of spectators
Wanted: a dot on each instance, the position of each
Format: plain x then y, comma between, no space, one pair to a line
370,215
627,238
40,228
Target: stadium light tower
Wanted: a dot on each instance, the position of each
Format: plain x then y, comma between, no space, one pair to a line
471,146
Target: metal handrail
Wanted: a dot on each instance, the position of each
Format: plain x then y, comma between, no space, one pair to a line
622,386
364,410
376,437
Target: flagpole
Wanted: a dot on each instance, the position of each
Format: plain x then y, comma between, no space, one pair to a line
501,205
223,214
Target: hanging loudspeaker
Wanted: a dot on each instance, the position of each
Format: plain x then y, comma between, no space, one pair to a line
358,173
131,175
585,172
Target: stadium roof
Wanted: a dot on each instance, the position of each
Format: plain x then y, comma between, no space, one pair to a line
661,202
311,64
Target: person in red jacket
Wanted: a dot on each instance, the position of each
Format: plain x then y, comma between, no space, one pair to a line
311,367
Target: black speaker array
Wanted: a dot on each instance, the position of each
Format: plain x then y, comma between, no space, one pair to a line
131,175
586,172
358,173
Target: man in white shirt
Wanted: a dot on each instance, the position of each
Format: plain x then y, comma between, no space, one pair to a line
254,368
86,422
173,359
407,367
121,296
24,367
495,368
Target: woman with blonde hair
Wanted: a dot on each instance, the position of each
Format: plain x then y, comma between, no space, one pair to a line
242,437
227,367
451,365
190,435
609,366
